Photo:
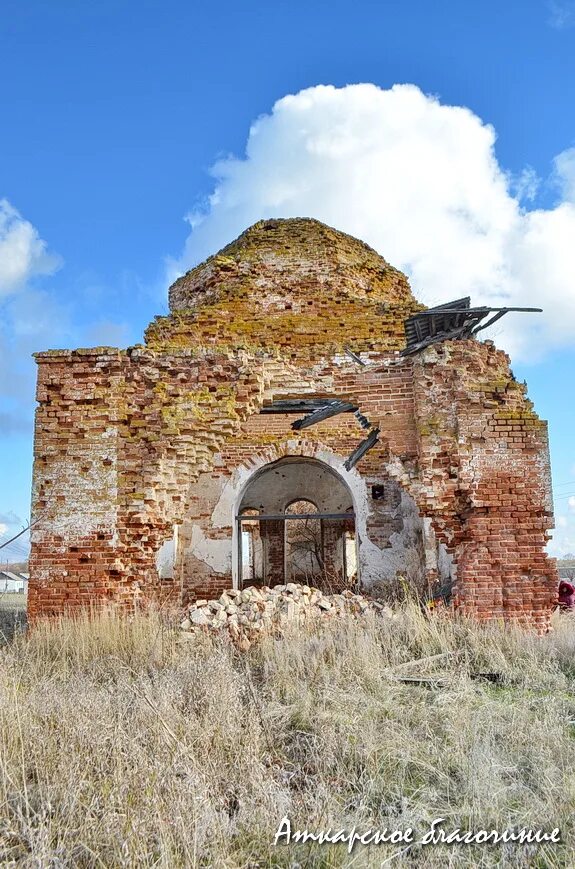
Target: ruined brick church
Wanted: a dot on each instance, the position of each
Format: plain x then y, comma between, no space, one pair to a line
297,416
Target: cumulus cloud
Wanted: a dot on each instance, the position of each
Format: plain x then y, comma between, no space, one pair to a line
34,317
10,524
561,14
420,182
565,173
23,254
29,315
562,544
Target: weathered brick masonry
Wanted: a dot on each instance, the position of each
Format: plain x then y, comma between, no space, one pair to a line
143,456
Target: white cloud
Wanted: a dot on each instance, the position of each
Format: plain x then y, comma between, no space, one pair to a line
420,182
565,173
3,529
23,254
30,318
33,318
563,547
562,542
561,14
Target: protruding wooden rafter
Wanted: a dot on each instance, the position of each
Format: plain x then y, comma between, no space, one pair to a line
453,320
326,412
362,449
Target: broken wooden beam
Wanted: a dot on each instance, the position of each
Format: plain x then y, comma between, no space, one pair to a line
284,517
296,405
332,409
349,352
450,322
362,449
485,308
362,420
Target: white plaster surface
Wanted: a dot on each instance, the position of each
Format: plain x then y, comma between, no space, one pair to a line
165,559
405,554
215,553
322,473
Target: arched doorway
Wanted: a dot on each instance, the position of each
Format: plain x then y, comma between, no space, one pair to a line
295,524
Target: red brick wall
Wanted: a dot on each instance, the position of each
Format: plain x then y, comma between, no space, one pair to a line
485,480
128,444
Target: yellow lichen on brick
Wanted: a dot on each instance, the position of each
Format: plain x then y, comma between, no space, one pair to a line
288,286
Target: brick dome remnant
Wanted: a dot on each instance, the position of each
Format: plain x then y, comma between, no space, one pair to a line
144,458
289,281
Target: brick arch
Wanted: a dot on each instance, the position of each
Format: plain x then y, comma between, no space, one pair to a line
298,447
289,474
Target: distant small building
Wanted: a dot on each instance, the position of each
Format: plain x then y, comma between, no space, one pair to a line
15,583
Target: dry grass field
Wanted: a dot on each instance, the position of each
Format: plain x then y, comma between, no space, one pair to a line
12,614
125,744
12,600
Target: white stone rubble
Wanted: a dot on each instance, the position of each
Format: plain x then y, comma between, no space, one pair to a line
247,613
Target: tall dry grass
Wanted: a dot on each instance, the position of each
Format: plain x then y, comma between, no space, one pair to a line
124,744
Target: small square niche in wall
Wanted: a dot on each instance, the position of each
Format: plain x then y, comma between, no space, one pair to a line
378,492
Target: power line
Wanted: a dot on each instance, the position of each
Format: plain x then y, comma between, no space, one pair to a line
15,555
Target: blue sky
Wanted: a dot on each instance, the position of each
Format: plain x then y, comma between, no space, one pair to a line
122,118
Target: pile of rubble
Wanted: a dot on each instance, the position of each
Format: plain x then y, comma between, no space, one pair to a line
248,613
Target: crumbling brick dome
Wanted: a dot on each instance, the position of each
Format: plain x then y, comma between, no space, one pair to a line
270,430
288,280
293,260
